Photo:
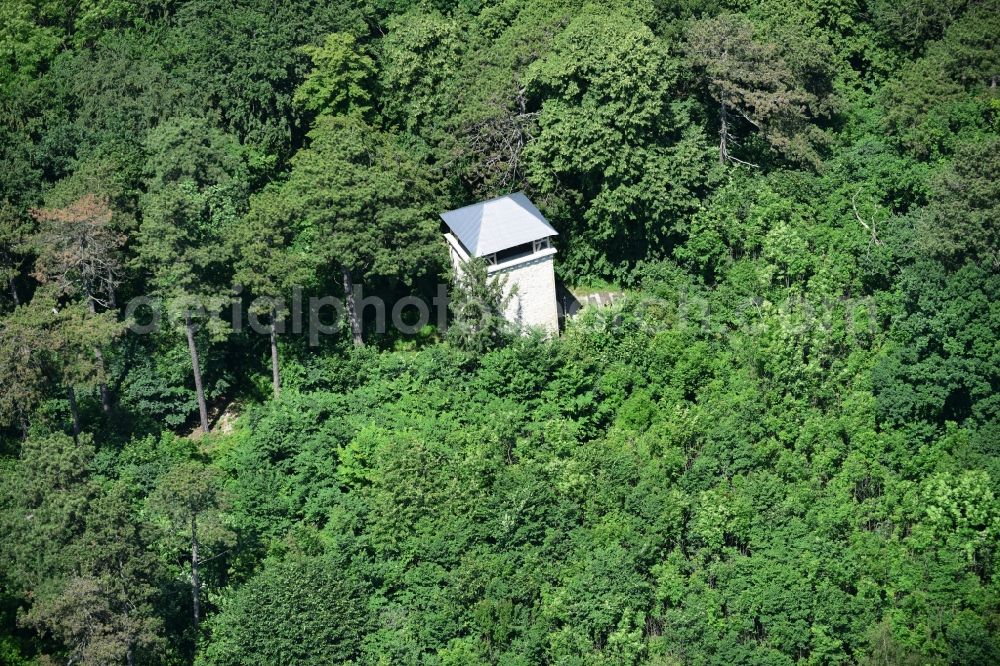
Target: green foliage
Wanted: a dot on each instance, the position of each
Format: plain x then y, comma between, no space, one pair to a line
80,553
15,229
156,389
419,57
959,224
609,135
478,304
340,80
753,84
188,149
28,43
362,200
944,365
48,347
242,61
319,619
778,445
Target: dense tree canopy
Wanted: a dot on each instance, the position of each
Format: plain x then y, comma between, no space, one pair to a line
780,444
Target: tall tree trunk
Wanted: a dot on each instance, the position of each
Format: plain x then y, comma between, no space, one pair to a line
195,581
275,371
723,132
130,654
105,394
13,292
74,412
351,307
196,368
111,292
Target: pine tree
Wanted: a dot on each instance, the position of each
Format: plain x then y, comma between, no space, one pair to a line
753,87
366,203
78,253
193,197
269,263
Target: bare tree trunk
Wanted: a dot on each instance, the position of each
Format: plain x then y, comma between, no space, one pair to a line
74,412
275,371
130,655
111,292
105,394
351,307
196,368
723,133
195,582
13,292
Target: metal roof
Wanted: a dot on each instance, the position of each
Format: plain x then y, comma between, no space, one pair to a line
498,224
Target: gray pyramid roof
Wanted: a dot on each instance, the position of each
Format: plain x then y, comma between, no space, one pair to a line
498,224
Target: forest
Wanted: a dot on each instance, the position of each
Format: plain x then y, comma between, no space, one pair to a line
781,445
